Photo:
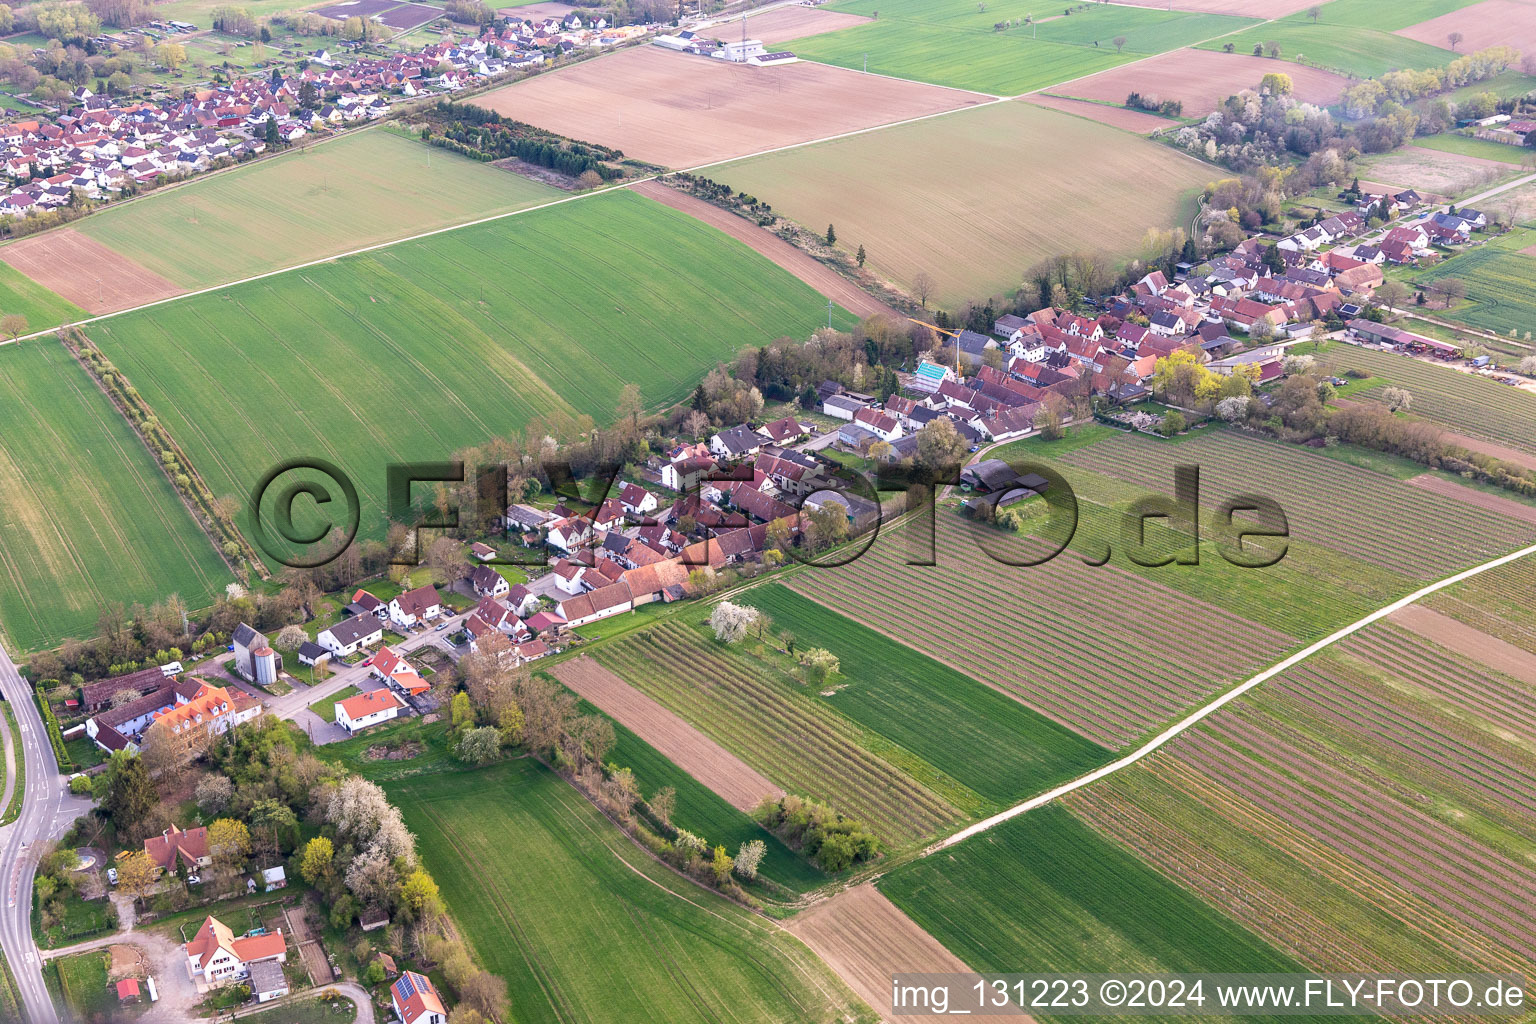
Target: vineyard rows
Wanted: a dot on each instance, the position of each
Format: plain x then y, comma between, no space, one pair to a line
1354,511
758,714
1101,651
1497,602
1464,402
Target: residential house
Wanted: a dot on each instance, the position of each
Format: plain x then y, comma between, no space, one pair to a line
487,582
415,1000
352,635
215,957
736,442
398,673
416,607
185,847
367,709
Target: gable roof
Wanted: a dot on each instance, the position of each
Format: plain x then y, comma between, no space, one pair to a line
417,602
190,844
355,628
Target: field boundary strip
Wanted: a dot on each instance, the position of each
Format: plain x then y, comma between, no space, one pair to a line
1200,714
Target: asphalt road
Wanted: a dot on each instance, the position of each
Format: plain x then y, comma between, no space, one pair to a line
47,812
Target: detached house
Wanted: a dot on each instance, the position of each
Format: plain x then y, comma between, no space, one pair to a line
351,636
415,607
367,709
215,957
488,582
187,847
416,1001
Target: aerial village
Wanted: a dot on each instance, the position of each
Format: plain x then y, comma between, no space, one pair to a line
106,147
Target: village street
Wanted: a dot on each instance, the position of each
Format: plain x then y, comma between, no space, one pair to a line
295,706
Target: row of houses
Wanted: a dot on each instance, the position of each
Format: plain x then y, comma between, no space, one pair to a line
104,145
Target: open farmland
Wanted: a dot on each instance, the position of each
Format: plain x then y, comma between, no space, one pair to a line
1370,810
354,191
1460,638
1405,529
989,742
684,745
1436,171
766,718
1138,121
1464,402
682,111
41,307
1500,297
82,271
1498,603
955,43
793,22
1489,23
417,350
1103,651
865,939
1043,891
585,926
1358,51
1201,80
1031,178
87,519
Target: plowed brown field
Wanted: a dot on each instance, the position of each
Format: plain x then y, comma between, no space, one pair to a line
89,274
689,749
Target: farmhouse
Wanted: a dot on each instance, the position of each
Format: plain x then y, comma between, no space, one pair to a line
1385,334
351,635
215,957
367,709
188,712
96,696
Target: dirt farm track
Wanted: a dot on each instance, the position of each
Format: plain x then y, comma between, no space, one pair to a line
681,743
94,277
682,111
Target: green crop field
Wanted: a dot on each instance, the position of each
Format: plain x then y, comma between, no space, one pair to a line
990,742
1384,18
1032,177
1499,277
1043,893
585,926
748,704
1464,402
1357,51
414,351
956,43
355,191
704,813
86,517
1465,145
42,308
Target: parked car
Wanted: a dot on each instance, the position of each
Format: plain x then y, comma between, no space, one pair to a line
112,875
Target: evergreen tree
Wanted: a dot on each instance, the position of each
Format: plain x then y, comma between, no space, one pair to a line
860,256
127,792
831,235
